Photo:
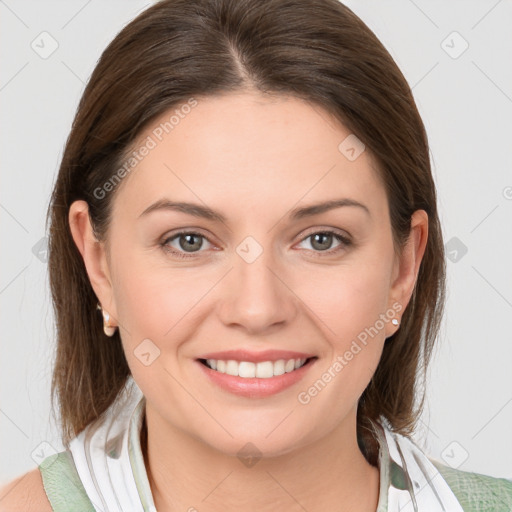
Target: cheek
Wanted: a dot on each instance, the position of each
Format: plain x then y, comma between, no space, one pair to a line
152,302
159,303
155,308
347,305
347,299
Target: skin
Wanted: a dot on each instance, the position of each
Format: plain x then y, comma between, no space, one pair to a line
253,158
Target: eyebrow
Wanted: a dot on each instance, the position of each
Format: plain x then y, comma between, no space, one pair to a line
207,213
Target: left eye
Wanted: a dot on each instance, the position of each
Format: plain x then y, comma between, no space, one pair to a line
322,241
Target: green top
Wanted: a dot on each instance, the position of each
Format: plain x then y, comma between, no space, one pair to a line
475,492
62,484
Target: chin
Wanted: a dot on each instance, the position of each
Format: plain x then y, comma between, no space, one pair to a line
260,437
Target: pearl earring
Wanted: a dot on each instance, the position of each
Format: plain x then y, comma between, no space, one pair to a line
107,328
395,321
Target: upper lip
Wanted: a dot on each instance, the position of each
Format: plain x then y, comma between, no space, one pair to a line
256,357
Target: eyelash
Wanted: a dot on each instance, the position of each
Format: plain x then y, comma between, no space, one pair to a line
345,242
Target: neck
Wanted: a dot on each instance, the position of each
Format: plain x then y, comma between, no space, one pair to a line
331,474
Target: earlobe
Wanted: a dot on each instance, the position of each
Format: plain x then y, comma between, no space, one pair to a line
93,254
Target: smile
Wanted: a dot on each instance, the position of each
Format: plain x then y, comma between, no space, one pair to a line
255,379
248,370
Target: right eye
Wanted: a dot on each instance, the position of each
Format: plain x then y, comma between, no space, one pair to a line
185,240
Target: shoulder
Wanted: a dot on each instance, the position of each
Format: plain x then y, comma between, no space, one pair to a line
25,493
477,492
54,486
63,485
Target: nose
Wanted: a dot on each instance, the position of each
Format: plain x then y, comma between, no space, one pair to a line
255,296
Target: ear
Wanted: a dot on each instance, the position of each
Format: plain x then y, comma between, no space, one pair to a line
94,256
407,264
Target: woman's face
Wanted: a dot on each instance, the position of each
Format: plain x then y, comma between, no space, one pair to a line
252,273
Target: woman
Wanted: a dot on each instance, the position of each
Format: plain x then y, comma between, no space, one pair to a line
247,270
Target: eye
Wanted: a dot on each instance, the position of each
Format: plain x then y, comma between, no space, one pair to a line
321,241
187,243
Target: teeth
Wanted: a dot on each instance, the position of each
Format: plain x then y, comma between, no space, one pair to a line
289,366
248,370
232,368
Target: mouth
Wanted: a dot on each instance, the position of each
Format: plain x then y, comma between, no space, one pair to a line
260,370
251,379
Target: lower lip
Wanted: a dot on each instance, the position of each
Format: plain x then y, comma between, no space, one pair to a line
255,387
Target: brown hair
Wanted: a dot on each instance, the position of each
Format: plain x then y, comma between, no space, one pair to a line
316,50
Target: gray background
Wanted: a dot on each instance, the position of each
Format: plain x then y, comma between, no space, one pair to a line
466,103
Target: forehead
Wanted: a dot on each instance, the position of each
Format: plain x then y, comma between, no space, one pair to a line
250,149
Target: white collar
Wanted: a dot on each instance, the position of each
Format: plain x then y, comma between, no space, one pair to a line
110,463
413,483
